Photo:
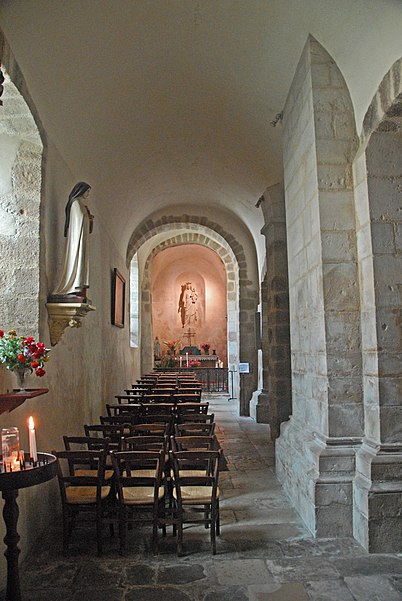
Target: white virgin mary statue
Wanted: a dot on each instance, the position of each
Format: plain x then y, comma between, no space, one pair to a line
79,224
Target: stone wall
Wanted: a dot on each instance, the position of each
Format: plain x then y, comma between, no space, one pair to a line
20,190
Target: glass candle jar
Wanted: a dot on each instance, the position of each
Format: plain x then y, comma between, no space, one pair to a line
10,448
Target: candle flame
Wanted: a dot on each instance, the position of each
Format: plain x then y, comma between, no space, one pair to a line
31,424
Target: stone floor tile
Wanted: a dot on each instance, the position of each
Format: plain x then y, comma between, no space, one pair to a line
369,565
60,574
242,572
104,594
42,594
326,547
138,573
294,591
225,593
181,574
301,570
97,574
372,588
328,590
157,593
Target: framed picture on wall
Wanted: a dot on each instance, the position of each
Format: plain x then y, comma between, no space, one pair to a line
118,298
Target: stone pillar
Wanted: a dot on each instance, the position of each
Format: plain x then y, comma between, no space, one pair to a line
275,403
316,450
378,176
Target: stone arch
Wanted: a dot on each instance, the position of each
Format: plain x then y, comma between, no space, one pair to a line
21,152
228,260
208,233
383,114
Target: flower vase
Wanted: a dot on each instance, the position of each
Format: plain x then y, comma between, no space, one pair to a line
21,373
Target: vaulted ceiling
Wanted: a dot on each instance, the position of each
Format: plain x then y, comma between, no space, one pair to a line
169,102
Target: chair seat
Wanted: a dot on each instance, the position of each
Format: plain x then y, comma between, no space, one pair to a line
189,473
143,473
196,495
140,495
108,473
82,495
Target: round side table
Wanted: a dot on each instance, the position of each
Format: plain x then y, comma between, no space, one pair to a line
10,482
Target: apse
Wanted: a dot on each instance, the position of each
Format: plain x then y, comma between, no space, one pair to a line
189,299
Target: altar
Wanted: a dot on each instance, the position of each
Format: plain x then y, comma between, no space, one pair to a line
207,360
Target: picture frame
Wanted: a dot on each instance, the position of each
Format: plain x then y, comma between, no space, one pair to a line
118,298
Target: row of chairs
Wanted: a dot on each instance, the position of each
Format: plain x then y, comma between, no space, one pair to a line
141,466
177,387
139,480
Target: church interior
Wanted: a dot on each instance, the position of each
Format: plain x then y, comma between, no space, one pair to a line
242,164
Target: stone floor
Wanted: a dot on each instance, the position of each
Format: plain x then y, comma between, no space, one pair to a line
264,552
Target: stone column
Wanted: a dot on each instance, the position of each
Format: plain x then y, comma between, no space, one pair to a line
316,450
274,402
378,176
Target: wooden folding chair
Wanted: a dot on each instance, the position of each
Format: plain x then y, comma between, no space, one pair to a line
84,488
196,492
139,478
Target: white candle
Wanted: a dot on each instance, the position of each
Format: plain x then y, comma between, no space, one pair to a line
187,359
181,361
32,440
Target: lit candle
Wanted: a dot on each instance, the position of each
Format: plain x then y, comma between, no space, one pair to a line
181,361
187,359
32,440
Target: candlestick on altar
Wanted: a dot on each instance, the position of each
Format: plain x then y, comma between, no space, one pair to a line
181,361
32,440
187,359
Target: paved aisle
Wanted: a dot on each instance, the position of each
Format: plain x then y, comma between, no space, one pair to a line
264,552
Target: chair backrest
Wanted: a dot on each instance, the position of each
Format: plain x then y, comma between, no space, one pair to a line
124,419
151,429
158,408
186,397
144,443
194,443
205,462
205,418
85,443
156,397
138,469
192,408
194,429
82,443
131,409
90,462
114,432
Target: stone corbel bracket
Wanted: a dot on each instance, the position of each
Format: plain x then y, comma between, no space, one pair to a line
65,315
